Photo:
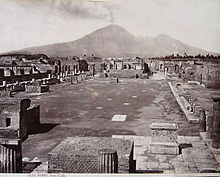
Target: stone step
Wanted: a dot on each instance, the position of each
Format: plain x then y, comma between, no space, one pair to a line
199,159
179,165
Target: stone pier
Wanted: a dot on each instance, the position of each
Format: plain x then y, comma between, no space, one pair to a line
107,161
209,126
164,138
202,120
216,123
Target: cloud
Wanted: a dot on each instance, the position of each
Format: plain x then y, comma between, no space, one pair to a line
86,9
102,10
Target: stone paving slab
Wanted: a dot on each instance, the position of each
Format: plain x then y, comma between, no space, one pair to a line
215,152
119,118
193,159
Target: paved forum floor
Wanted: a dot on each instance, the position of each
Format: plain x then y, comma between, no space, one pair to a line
86,109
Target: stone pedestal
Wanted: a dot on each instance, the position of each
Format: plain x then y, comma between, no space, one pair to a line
11,156
164,138
107,161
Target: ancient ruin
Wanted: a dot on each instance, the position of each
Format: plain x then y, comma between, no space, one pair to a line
98,87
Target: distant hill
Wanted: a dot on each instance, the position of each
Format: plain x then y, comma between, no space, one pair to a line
115,41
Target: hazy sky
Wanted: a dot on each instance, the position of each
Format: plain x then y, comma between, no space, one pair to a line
25,23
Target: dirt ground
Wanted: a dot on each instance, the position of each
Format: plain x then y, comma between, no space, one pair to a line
86,109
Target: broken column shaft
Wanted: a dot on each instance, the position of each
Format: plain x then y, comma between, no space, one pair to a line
11,156
107,161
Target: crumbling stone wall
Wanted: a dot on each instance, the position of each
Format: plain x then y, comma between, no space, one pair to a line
208,74
5,93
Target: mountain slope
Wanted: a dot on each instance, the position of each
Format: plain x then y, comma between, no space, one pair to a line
115,41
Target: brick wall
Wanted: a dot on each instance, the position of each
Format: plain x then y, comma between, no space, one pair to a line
64,163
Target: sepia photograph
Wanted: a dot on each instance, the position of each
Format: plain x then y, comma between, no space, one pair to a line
110,87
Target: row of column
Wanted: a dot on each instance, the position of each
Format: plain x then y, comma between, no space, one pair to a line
210,123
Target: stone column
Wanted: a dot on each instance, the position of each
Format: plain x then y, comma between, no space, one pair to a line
4,83
216,123
202,120
107,161
209,125
11,156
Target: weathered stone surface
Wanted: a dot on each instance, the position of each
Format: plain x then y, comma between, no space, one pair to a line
164,148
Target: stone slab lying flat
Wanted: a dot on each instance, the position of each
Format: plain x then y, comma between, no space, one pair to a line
164,126
119,118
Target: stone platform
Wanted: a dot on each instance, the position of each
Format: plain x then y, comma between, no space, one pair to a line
80,155
164,138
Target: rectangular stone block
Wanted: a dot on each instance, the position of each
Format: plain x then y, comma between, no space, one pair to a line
164,148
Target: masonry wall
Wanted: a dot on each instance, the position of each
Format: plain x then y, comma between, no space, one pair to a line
213,77
25,77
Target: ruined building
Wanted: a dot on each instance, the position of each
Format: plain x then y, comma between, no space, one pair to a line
204,71
18,119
